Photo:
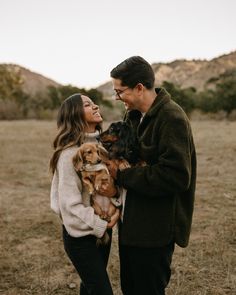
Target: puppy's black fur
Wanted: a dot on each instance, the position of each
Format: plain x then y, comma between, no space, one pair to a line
121,142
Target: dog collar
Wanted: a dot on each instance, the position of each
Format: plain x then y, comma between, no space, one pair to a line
94,167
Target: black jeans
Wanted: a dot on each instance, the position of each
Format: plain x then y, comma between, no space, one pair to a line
90,261
145,270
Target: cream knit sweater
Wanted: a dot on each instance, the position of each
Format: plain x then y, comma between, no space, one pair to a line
68,200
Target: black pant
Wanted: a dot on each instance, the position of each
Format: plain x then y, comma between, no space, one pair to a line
145,270
90,261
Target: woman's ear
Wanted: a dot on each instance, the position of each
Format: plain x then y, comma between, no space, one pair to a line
78,161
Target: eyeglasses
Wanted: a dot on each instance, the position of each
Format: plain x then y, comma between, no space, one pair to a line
118,92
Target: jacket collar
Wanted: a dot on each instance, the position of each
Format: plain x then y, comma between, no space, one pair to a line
94,167
162,97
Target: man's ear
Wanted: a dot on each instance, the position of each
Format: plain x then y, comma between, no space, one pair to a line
140,87
103,153
78,161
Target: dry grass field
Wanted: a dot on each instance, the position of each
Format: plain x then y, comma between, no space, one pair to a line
32,259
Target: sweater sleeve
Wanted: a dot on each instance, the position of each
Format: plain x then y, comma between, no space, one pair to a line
172,171
78,219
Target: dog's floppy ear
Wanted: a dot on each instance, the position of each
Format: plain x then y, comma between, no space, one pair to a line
103,153
124,130
78,160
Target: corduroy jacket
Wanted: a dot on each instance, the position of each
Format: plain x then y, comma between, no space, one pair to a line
160,196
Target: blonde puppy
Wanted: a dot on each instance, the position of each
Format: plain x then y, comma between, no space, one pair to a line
89,162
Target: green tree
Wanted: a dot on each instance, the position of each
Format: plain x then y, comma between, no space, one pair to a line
11,87
220,93
226,94
54,97
207,101
184,97
58,94
11,84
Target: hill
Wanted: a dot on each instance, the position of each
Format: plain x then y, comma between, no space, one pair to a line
187,73
184,73
32,82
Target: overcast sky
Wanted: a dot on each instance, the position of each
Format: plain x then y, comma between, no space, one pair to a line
78,42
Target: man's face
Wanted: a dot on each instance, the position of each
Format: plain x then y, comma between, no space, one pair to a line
127,95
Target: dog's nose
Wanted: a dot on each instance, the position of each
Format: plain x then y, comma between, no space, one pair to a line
98,138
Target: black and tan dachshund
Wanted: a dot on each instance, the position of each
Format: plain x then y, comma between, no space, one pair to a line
120,142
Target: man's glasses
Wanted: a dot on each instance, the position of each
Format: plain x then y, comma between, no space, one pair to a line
118,93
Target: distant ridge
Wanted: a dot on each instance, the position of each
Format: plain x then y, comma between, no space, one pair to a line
187,73
32,82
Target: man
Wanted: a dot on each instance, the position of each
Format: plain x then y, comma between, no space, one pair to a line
159,202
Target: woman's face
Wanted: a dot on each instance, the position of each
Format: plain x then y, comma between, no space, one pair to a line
91,112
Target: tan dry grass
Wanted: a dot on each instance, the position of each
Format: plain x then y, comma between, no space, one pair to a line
32,259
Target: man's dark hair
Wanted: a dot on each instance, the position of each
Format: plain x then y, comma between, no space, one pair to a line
134,70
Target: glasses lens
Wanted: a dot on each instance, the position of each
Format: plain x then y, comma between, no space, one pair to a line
118,93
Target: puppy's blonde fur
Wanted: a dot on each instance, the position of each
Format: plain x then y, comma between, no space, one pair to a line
89,161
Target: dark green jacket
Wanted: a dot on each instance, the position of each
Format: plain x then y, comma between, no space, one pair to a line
160,196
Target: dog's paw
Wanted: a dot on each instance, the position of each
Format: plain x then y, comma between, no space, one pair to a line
124,164
105,217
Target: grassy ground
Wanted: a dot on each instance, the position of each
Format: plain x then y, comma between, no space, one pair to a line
32,259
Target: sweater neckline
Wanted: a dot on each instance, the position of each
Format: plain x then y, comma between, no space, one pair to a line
92,134
91,137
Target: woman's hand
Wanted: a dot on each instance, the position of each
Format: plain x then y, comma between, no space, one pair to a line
114,218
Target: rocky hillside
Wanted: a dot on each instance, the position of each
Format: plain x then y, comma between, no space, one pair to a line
32,82
187,73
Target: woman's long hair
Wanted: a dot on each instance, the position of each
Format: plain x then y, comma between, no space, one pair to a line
71,126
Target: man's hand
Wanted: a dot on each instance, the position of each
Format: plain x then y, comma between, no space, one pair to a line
114,218
115,165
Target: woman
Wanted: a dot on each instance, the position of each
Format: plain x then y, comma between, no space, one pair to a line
79,121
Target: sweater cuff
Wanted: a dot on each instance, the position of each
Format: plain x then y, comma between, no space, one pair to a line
100,226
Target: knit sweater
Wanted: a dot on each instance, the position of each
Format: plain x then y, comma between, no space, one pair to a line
70,202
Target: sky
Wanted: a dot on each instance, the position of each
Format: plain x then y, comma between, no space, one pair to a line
79,42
